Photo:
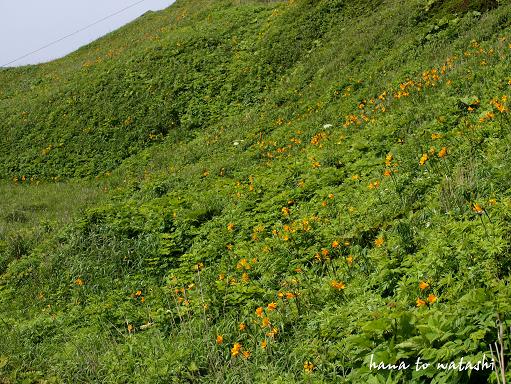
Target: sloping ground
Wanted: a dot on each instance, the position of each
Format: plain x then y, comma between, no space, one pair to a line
82,115
293,191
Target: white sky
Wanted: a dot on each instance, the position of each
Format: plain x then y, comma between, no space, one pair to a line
27,25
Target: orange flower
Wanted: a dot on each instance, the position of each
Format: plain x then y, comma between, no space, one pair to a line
379,241
243,326
423,159
290,295
435,136
443,152
138,293
264,344
243,264
265,322
500,107
388,159
273,332
387,173
432,298
331,196
235,350
259,311
339,285
285,211
230,226
420,302
246,354
335,244
325,252
487,116
245,277
79,282
349,260
199,266
308,367
478,209
272,306
423,285
219,339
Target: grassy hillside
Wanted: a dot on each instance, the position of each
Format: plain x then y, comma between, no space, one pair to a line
253,191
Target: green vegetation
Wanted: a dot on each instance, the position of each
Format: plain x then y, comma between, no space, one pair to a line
29,213
253,191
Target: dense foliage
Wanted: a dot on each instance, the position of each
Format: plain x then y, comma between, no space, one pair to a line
249,191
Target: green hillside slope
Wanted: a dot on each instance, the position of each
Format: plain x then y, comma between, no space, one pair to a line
261,192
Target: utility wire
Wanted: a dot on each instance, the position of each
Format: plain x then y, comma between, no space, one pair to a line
74,33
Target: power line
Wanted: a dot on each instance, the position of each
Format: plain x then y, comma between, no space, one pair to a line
74,33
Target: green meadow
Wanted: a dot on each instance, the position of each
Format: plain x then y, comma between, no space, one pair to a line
262,192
